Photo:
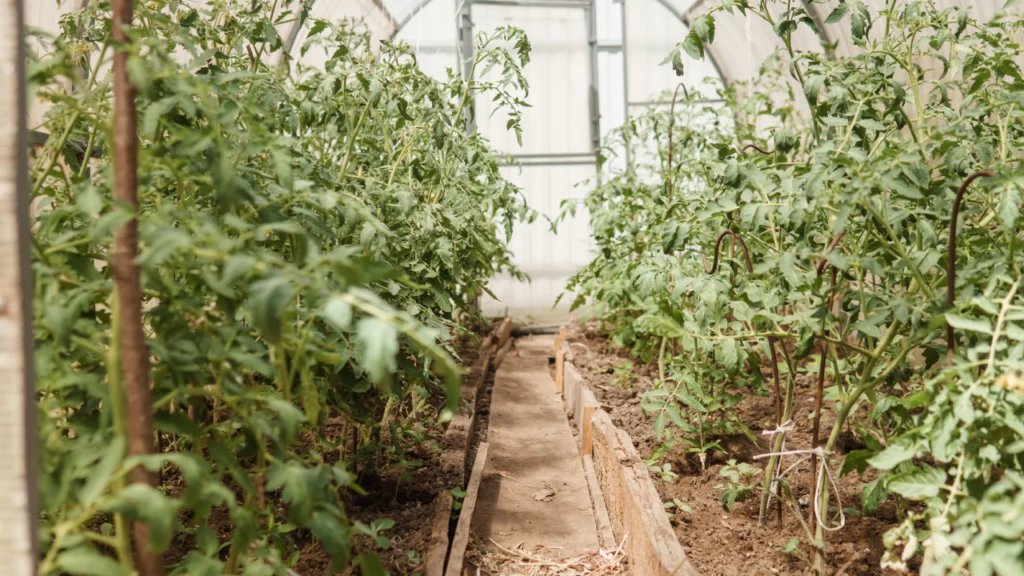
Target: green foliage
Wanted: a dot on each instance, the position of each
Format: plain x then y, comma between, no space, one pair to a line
739,480
868,152
305,237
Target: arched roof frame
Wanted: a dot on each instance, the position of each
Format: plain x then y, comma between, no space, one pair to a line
725,56
420,6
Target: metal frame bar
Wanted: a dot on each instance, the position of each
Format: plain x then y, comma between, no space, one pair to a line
669,102
466,55
538,3
534,163
595,102
554,155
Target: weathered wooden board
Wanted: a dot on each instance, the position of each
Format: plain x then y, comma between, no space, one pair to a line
633,505
560,372
462,530
433,560
573,386
499,357
504,332
604,524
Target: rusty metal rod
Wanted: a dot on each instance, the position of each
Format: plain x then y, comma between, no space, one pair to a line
758,148
951,255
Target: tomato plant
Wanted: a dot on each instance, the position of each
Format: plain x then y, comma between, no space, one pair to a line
855,218
305,237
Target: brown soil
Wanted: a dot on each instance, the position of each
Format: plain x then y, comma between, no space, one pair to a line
732,543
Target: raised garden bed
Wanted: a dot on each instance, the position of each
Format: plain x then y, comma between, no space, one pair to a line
715,541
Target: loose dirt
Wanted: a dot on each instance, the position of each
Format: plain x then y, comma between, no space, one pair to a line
534,496
732,543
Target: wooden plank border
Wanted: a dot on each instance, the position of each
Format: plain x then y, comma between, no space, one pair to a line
462,530
458,439
632,502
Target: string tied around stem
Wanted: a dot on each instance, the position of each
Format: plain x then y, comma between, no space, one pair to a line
823,471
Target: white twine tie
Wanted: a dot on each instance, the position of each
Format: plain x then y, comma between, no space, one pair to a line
823,470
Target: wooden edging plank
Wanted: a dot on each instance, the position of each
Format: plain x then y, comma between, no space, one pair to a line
433,560
605,535
461,539
560,371
499,357
503,332
632,503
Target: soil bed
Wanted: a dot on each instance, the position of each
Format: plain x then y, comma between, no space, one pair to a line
731,543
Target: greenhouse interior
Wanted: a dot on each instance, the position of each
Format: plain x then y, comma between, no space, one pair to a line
512,287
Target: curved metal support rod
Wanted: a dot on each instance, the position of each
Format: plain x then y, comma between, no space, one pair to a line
758,148
771,339
718,244
951,254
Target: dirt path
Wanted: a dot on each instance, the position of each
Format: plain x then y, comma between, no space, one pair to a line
534,492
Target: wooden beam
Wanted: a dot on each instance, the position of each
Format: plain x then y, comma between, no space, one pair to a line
605,535
462,530
587,432
500,356
433,560
18,547
504,332
560,372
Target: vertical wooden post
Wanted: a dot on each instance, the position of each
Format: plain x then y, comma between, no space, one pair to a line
134,352
587,427
560,371
17,423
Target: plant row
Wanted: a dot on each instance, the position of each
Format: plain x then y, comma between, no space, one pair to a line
856,219
305,236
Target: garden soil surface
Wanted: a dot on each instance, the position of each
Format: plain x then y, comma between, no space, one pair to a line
732,543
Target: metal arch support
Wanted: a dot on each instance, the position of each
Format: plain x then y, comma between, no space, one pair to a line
819,23
293,33
408,17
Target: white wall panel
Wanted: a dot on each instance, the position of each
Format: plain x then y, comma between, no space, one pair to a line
548,259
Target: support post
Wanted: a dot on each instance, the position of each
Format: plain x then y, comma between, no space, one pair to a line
133,351
595,101
466,56
587,432
18,547
560,371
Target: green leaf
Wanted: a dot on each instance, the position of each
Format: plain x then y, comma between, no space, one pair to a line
872,495
693,47
145,503
969,324
339,313
704,28
894,455
86,561
838,13
100,474
918,484
268,301
728,355
1009,210
377,345
370,565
